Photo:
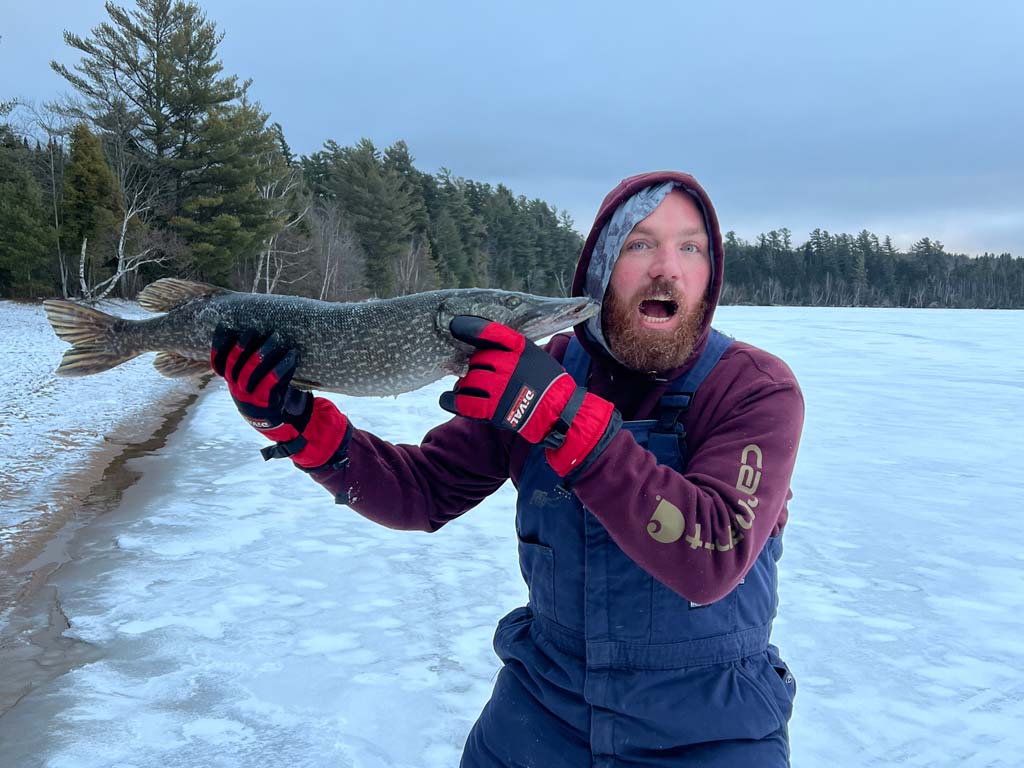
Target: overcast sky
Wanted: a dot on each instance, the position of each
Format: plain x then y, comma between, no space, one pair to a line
902,117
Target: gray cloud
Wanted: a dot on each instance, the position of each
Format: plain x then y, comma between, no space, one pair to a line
900,117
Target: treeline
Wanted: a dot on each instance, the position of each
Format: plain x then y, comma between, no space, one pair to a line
160,164
862,270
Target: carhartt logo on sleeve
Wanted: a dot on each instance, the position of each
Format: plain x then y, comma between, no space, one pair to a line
667,523
520,407
747,482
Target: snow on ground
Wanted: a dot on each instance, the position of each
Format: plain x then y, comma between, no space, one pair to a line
48,426
244,619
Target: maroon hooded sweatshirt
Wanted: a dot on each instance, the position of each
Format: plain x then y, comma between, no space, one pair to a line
743,429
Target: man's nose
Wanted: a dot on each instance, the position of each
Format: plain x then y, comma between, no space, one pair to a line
665,263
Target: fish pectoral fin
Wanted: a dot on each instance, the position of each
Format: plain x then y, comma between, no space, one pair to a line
458,367
306,384
170,292
175,366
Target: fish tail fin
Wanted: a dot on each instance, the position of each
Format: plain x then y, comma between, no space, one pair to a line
87,359
89,332
77,323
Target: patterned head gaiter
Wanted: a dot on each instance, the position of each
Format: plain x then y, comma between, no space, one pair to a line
609,244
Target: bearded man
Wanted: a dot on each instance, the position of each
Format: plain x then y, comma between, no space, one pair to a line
652,457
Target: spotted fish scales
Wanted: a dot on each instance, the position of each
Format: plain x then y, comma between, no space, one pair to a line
372,348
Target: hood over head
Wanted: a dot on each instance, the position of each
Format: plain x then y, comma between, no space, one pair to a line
624,207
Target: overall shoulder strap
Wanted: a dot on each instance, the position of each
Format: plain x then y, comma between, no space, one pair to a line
664,436
576,361
667,439
687,384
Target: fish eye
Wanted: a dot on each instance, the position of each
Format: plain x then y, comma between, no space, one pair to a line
513,301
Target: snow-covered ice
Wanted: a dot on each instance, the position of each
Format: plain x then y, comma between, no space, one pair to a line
49,426
241,618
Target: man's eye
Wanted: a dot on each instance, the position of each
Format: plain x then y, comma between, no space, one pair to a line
691,248
636,245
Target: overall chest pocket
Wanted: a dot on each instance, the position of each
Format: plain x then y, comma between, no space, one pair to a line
537,562
674,618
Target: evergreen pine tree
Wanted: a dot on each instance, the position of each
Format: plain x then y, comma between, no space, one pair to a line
149,79
449,250
378,203
415,268
27,239
461,260
223,218
90,206
157,66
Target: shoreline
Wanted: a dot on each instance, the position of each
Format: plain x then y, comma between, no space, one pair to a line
33,648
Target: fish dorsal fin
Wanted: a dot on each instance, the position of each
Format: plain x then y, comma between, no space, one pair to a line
170,292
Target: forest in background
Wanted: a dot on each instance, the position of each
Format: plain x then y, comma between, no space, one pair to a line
158,163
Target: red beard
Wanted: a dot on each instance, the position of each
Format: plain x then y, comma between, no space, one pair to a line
647,349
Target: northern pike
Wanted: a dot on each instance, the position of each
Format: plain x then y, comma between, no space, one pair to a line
371,348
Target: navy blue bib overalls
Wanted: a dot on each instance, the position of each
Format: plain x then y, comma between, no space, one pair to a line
606,666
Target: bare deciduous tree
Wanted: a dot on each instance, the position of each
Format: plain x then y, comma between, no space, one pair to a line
339,255
414,271
563,279
281,187
134,244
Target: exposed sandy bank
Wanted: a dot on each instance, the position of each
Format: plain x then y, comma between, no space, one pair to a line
33,649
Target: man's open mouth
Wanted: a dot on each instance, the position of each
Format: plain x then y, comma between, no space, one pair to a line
658,310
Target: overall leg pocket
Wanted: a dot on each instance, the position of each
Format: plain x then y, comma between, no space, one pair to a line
787,693
769,673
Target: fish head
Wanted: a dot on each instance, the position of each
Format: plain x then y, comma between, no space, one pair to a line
536,317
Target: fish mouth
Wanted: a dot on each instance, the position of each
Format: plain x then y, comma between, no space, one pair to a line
552,315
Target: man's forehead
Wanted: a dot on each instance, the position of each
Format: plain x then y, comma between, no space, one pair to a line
686,230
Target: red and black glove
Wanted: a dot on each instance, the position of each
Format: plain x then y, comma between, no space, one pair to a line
516,385
258,371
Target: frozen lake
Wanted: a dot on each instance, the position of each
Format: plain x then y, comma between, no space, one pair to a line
232,615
